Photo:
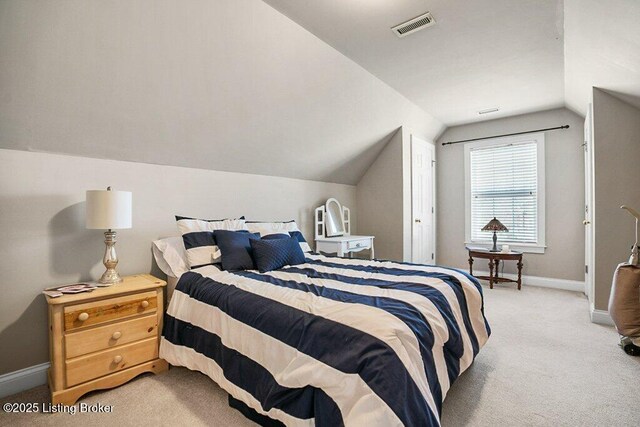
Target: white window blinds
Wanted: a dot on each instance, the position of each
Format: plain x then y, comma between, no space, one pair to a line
504,183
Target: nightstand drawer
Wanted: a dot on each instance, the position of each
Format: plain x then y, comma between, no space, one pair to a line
358,244
86,341
93,313
85,368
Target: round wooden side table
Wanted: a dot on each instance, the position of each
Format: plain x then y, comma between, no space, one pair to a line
494,263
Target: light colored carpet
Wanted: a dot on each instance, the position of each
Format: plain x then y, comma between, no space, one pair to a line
544,365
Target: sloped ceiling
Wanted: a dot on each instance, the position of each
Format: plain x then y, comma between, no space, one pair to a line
214,84
479,54
238,86
602,49
520,56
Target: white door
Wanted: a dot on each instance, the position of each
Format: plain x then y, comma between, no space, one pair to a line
588,206
423,246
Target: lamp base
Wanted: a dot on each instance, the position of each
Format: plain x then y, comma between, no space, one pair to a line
110,277
110,260
495,243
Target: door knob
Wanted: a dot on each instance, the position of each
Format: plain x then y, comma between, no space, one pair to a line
586,222
417,220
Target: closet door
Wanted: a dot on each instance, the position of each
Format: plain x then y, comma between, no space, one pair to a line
589,260
422,201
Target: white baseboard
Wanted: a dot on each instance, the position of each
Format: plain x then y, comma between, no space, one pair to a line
24,379
601,317
543,282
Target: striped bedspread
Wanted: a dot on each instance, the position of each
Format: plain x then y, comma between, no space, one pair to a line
330,342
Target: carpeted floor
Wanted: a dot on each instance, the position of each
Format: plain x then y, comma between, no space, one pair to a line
544,365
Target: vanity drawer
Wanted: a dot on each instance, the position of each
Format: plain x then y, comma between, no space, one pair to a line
86,341
96,312
359,244
96,365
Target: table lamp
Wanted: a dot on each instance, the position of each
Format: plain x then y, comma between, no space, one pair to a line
109,210
494,225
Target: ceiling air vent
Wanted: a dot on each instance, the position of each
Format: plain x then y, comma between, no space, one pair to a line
412,25
489,110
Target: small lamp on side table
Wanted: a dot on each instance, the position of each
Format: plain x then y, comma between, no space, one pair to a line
494,225
109,210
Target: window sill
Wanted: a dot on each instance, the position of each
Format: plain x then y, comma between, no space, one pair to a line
520,247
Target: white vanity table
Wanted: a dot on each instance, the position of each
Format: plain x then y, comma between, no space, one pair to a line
333,231
343,245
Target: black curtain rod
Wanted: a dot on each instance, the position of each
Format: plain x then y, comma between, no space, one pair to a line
506,134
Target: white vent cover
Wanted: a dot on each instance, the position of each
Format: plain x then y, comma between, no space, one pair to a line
412,25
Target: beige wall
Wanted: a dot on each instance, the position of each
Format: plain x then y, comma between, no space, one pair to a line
213,84
44,241
384,199
564,256
379,200
616,127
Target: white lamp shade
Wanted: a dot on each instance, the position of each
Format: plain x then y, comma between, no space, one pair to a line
107,209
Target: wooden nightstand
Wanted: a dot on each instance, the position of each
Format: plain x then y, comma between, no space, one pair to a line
104,338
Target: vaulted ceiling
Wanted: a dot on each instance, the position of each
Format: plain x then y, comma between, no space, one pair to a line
518,56
602,49
238,86
182,83
480,54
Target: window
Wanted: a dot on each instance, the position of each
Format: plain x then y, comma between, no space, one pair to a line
505,179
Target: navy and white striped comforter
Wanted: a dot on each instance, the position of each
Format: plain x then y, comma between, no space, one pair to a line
330,342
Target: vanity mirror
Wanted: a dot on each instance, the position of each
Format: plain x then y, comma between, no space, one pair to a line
334,219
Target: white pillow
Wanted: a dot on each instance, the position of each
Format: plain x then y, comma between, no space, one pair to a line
197,237
171,256
279,227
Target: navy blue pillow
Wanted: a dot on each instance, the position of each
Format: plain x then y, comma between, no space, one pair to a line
276,236
271,254
235,249
298,235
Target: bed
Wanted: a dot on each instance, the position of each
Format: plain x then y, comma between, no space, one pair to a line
331,341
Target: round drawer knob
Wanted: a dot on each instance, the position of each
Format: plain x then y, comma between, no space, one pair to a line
144,304
116,335
83,316
117,359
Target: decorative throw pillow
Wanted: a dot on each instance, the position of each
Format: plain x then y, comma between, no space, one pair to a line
236,249
276,236
271,254
197,235
279,227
